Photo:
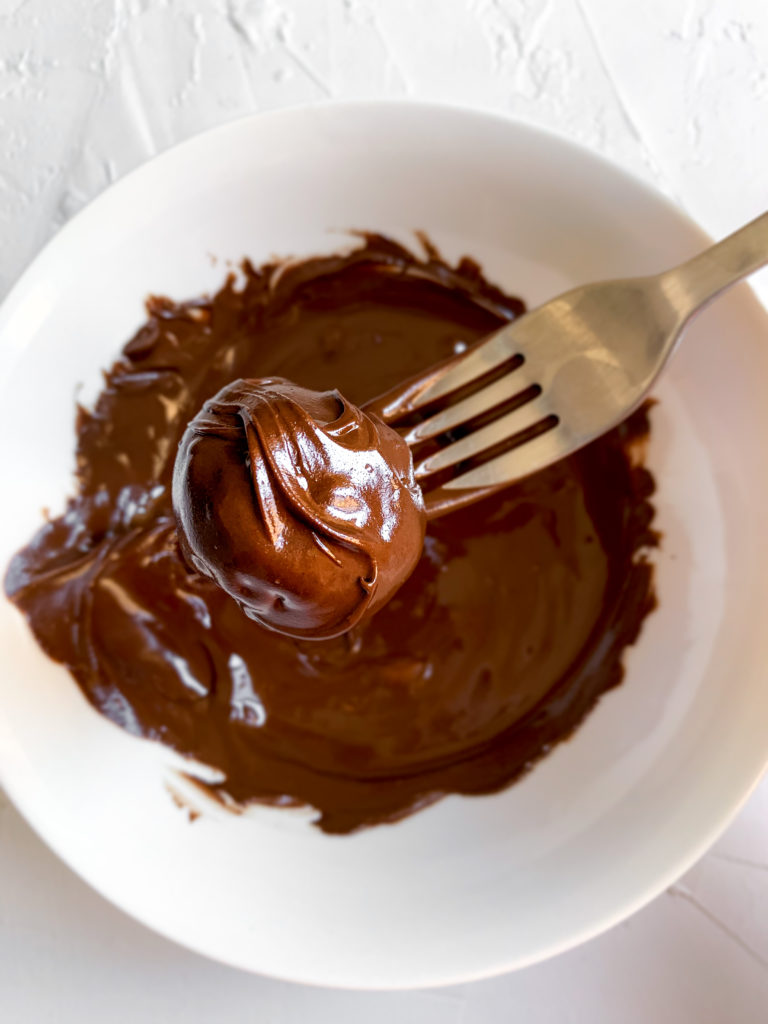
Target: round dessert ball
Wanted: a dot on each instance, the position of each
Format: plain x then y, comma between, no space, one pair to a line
298,504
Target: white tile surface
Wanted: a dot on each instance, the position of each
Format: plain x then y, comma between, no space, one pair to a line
675,91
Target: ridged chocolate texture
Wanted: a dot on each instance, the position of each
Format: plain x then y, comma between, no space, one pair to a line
299,505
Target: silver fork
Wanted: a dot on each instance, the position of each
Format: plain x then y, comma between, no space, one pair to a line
550,382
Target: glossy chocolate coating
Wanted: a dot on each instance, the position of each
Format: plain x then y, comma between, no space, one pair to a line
512,625
302,507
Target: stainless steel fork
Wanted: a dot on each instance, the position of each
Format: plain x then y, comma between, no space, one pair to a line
550,382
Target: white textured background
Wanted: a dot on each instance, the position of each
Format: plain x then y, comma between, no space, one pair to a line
675,91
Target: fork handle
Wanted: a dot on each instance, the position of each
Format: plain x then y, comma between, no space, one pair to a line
696,282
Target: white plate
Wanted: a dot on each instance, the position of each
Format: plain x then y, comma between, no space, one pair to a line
470,887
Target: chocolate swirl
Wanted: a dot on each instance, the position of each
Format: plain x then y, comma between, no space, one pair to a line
299,505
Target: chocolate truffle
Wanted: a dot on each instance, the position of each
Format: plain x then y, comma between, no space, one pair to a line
299,505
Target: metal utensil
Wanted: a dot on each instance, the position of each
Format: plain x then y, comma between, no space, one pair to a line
550,382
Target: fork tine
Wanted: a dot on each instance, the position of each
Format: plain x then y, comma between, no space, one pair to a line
513,465
496,349
506,427
456,373
503,390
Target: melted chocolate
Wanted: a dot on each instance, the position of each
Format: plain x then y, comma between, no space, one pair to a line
301,506
511,626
